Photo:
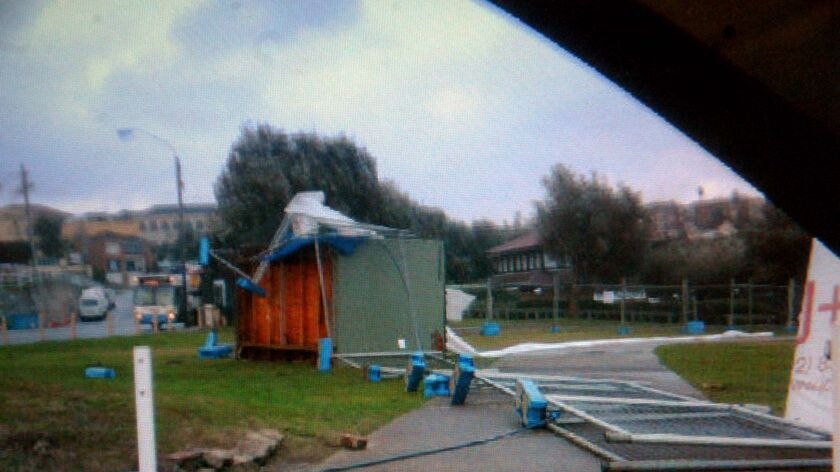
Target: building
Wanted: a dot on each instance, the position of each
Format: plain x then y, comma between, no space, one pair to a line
160,224
668,220
119,256
522,262
13,220
704,218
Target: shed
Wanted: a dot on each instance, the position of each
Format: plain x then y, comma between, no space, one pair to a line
378,291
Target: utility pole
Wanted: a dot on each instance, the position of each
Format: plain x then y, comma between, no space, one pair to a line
181,237
25,187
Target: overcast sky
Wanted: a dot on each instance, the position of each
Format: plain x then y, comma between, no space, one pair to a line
463,107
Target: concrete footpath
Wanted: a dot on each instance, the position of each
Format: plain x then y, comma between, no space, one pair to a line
489,413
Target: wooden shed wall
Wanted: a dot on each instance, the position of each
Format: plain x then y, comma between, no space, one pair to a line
291,316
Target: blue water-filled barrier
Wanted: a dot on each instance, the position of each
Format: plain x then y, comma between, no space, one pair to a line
530,404
100,373
324,354
415,372
694,327
491,329
22,320
436,385
462,376
374,373
554,329
623,330
211,350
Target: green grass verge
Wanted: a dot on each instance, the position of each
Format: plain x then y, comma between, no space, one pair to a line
738,372
52,418
537,331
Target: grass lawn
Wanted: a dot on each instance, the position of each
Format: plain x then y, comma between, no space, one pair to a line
75,423
737,372
524,331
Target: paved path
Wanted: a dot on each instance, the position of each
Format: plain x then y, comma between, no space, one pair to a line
487,414
635,362
123,324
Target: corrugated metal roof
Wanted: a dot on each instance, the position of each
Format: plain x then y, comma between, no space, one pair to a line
528,240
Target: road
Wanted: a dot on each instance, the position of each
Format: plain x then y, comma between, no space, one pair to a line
121,318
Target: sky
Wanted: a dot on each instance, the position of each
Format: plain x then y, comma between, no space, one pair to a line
462,106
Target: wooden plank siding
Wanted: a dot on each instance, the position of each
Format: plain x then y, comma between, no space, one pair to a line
290,319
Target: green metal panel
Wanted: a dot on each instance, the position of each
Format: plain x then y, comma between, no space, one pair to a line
371,301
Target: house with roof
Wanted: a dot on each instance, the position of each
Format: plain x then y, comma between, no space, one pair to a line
523,263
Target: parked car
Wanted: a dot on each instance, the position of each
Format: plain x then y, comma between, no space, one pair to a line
94,304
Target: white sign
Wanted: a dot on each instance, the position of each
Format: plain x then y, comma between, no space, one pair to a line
810,390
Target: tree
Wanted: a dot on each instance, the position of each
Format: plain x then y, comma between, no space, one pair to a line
266,167
48,231
603,230
776,248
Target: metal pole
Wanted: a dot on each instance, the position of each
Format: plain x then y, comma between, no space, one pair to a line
489,299
323,288
685,300
181,236
731,318
556,302
694,307
749,302
25,186
623,303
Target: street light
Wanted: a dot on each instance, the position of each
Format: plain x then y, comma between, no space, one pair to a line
126,134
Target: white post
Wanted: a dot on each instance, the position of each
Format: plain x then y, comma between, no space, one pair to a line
145,404
835,360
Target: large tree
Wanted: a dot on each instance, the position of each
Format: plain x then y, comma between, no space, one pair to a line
266,167
48,231
602,229
776,248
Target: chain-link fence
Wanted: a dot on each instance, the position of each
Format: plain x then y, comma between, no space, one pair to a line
732,304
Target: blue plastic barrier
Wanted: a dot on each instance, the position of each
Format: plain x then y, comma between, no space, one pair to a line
491,329
466,359
211,350
461,378
22,321
554,329
374,373
694,327
324,354
530,404
100,373
415,372
436,385
623,330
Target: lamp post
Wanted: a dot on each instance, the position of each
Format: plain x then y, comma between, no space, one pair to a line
126,134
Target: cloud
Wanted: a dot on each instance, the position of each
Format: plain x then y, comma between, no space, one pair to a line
462,106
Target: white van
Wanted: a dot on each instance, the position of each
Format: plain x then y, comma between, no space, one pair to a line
94,304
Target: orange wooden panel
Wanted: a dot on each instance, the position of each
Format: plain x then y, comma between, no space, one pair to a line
294,302
262,318
312,302
274,297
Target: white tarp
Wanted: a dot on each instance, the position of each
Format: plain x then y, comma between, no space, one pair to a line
457,301
457,344
307,210
809,393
